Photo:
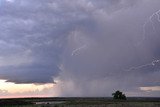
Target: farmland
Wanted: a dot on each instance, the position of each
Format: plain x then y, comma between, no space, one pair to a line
80,102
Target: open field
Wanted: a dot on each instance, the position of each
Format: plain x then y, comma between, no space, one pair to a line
79,102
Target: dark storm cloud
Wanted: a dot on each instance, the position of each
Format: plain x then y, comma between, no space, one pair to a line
85,44
33,37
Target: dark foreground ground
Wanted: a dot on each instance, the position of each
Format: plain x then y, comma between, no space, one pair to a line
80,102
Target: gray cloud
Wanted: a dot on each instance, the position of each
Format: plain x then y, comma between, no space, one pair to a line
85,44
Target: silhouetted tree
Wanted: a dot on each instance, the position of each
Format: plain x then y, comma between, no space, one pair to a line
119,95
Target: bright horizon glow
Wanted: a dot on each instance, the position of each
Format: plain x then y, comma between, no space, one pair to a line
12,90
154,88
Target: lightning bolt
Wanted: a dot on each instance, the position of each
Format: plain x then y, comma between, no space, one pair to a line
153,63
149,20
78,49
157,14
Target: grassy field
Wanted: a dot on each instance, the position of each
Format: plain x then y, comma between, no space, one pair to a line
80,102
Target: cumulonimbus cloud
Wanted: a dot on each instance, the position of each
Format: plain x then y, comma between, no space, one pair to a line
36,39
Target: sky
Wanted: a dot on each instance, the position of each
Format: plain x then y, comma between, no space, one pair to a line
79,48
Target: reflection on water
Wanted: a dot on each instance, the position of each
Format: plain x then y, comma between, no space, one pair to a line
49,102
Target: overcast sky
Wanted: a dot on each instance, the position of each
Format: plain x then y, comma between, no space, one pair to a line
84,47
